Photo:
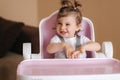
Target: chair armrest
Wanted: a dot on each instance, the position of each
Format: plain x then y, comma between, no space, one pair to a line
107,49
27,54
26,50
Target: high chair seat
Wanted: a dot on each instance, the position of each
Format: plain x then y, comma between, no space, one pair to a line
46,32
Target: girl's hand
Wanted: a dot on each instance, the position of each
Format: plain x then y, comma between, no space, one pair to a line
76,54
69,50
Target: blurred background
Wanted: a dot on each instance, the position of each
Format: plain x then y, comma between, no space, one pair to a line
105,15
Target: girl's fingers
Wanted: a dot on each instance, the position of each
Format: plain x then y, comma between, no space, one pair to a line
73,55
76,54
68,55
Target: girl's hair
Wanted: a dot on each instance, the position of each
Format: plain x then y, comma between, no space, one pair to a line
70,8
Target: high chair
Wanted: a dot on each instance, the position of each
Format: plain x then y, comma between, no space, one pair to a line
46,32
42,66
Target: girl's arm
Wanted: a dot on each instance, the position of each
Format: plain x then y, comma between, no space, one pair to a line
55,47
90,46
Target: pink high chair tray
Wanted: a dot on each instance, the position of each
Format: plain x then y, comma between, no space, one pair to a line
85,69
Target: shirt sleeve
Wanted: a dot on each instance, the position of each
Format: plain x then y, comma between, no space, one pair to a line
84,40
55,39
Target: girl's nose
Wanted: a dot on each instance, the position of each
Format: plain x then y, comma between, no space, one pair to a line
62,27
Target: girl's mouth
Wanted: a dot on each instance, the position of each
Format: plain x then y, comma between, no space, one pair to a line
63,32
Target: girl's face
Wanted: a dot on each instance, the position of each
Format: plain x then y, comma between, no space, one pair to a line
67,26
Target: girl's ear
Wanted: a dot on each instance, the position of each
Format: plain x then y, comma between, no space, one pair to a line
78,27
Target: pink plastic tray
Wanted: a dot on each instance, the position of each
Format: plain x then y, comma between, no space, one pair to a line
66,67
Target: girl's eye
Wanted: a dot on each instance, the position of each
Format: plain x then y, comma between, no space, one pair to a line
67,24
59,24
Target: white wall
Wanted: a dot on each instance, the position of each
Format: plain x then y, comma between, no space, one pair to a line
20,10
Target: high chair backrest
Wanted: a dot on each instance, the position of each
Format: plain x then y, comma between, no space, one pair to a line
46,31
